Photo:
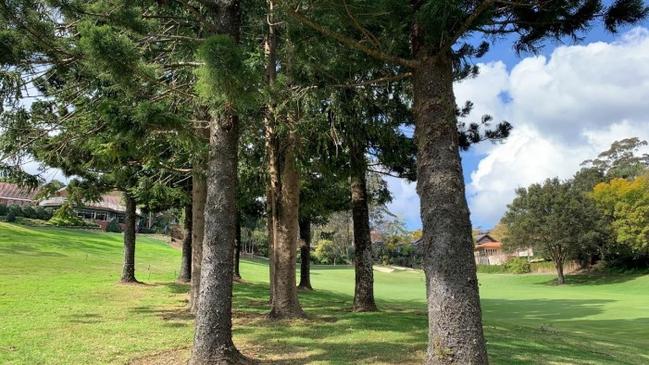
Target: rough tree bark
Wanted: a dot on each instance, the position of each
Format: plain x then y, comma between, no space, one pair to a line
285,194
128,269
455,333
213,343
199,195
213,337
305,254
364,289
270,227
186,259
237,249
283,199
270,71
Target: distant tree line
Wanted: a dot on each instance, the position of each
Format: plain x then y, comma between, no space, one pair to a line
599,216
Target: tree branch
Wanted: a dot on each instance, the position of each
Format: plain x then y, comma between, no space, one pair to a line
468,22
375,81
352,43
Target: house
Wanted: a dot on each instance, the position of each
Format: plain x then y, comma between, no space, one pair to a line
489,251
110,206
12,194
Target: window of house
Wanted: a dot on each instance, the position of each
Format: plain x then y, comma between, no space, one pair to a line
100,216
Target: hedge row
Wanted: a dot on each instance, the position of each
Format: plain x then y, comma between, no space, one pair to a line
11,212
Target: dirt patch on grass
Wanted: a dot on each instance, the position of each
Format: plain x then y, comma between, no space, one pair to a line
170,357
261,356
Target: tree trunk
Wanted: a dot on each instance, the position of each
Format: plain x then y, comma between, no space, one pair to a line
455,333
270,41
305,254
199,195
364,289
213,343
213,336
270,227
237,249
186,259
285,192
283,198
128,270
560,277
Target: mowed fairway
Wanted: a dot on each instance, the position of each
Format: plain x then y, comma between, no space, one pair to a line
60,304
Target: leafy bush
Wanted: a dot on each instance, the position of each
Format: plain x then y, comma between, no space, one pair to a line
15,210
65,217
43,214
518,265
328,252
29,212
11,216
25,212
113,226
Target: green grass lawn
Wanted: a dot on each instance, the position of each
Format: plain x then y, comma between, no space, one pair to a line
60,304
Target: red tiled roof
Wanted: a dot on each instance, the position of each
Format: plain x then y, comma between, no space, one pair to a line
14,192
494,244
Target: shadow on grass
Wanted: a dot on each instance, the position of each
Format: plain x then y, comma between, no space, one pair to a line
535,331
28,250
545,344
178,287
541,309
596,278
331,333
84,318
167,314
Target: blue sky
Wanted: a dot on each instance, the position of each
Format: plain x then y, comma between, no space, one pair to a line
554,135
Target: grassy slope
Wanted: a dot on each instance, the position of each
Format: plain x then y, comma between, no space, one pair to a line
60,304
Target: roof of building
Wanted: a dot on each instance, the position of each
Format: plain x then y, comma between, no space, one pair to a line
492,244
110,201
485,237
14,192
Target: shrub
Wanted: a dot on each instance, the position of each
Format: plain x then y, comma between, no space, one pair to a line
518,265
328,252
65,216
15,210
43,214
3,210
11,216
113,226
29,212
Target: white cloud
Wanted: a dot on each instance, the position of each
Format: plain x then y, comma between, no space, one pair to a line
565,108
406,201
